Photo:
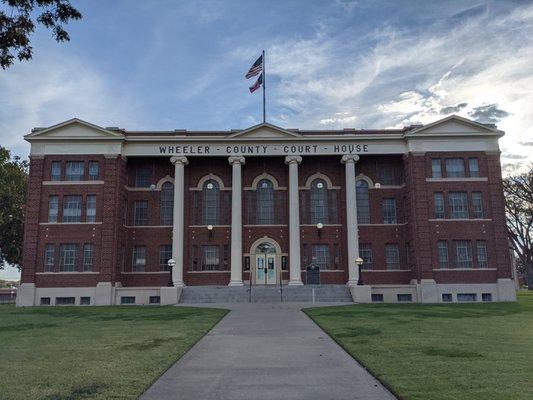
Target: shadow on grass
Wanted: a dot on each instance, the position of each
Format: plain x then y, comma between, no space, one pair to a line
79,392
148,344
450,353
25,327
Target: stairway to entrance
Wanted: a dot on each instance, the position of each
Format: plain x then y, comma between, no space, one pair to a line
265,294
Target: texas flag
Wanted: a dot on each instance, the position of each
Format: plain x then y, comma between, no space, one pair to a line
257,84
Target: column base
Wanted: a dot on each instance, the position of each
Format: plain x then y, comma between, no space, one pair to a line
179,284
236,283
170,295
352,283
361,294
295,283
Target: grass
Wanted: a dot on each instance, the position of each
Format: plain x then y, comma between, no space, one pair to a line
436,352
68,353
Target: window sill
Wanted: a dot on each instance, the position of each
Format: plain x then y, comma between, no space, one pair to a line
465,179
385,270
397,224
465,269
69,273
69,223
209,272
147,226
56,183
145,272
459,219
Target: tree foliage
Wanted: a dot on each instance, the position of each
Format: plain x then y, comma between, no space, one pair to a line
13,181
17,23
518,190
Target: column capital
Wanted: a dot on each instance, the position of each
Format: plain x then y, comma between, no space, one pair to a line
293,159
236,160
349,158
179,160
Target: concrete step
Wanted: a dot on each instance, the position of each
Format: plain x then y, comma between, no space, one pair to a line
266,294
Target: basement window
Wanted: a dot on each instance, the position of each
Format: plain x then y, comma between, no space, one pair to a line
377,297
127,300
85,301
45,301
155,299
447,298
405,298
64,301
466,297
486,296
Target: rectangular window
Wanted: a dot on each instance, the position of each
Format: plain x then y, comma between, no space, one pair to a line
392,256
458,205
88,251
386,174
481,250
53,208
138,262
404,298
463,254
455,168
440,211
68,257
165,254
155,299
91,208
49,258
377,298
72,209
473,167
466,297
127,299
365,252
140,213
442,247
55,172
389,211
45,301
143,176
477,205
447,298
74,171
436,168
65,301
94,171
85,301
210,258
486,296
321,255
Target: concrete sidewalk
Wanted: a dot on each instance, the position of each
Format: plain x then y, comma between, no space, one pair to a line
266,351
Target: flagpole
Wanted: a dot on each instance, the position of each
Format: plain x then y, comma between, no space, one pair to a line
264,82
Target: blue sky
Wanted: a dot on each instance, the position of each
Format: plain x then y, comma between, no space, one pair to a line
330,64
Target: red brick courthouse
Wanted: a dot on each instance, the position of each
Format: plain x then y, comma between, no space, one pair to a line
422,207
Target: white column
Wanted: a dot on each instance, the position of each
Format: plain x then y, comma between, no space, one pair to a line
178,222
352,234
294,221
236,221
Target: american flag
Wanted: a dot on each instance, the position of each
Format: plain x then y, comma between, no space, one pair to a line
256,68
257,84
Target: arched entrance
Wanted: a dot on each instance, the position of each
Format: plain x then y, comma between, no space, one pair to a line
266,262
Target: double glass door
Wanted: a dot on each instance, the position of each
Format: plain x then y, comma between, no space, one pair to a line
265,266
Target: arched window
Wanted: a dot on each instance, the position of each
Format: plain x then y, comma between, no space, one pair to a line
211,202
363,204
265,202
167,203
319,201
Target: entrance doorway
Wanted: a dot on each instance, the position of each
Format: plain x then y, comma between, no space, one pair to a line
265,264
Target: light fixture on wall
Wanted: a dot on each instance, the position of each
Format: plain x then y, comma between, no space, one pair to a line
359,262
152,187
171,264
210,229
377,185
319,227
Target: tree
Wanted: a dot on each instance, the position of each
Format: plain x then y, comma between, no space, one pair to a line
13,181
17,24
518,190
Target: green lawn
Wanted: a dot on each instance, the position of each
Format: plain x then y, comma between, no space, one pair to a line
68,353
430,352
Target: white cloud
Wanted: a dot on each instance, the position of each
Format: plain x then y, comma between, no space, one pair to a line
52,89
